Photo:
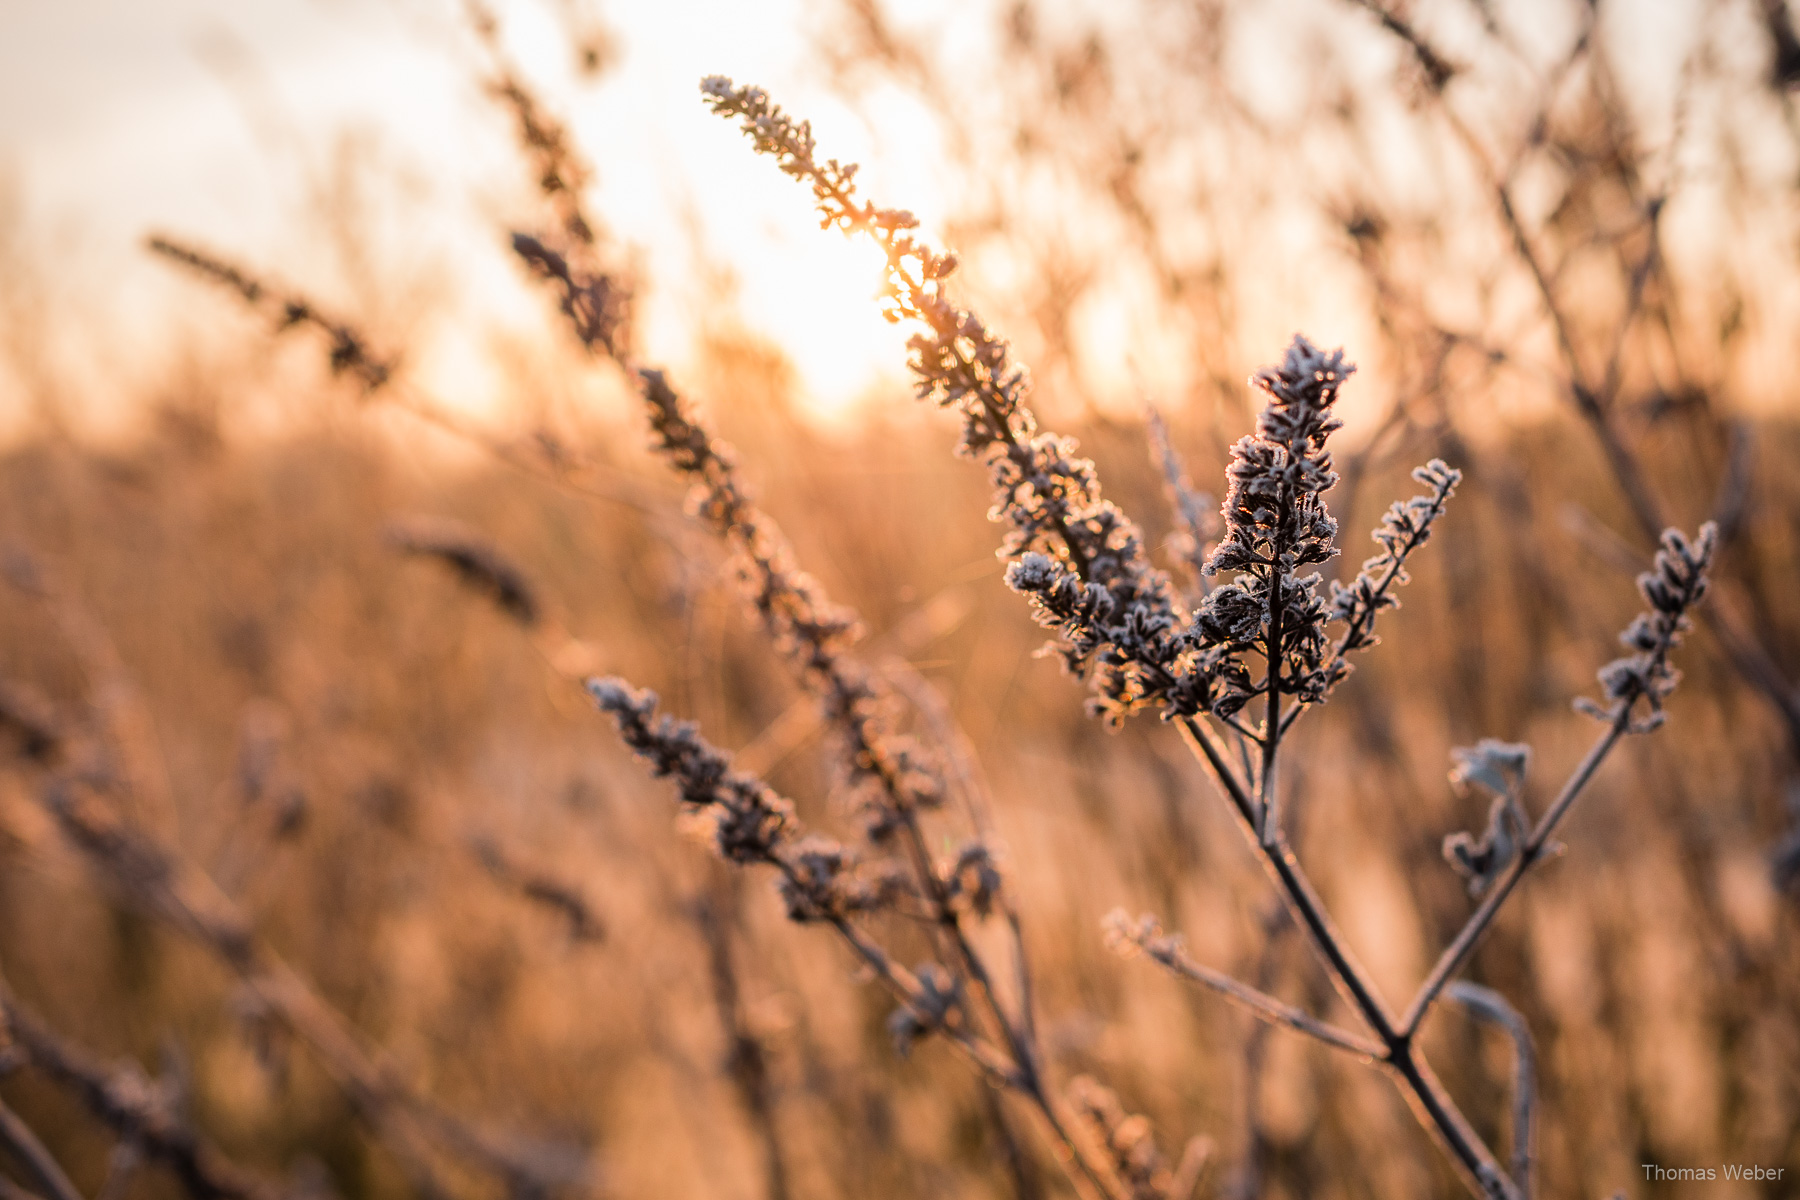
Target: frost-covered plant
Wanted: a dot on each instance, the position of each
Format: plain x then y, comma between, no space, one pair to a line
957,993
1270,642
1264,639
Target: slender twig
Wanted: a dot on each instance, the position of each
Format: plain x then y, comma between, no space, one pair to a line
135,1109
716,915
1303,902
1193,511
806,626
1438,1111
1750,656
1250,737
1020,1170
1672,590
1490,1005
972,786
1268,811
540,887
84,798
36,1161
384,382
1537,847
1246,1183
1169,952
906,988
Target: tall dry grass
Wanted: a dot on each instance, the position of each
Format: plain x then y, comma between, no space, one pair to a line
352,884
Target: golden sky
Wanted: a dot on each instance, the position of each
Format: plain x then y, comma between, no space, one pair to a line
252,128
237,125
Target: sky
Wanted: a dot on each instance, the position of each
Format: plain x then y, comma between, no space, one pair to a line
244,126
230,124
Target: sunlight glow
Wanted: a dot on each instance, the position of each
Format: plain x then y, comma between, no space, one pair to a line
348,149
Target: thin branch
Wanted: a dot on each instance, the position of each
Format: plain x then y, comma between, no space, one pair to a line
1195,512
907,990
135,1109
1268,811
1246,1181
716,914
1303,902
1491,1006
352,350
1672,589
1750,656
1438,70
1168,951
1536,847
33,1158
540,887
971,784
162,884
1438,1112
1245,732
1236,791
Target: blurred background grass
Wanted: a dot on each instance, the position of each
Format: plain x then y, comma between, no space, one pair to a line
1149,198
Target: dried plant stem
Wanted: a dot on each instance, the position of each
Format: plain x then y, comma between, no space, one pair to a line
1750,656
716,913
175,891
1268,811
83,795
1537,847
540,458
971,784
1395,1051
143,1121
1021,1074
907,989
809,630
1303,902
36,1161
1264,1006
1490,1005
1246,1181
539,887
1019,1168
1090,1179
1396,1048
351,350
1020,1031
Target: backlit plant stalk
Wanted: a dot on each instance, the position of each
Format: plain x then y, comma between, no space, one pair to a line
139,1110
1597,395
823,881
85,783
1081,565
